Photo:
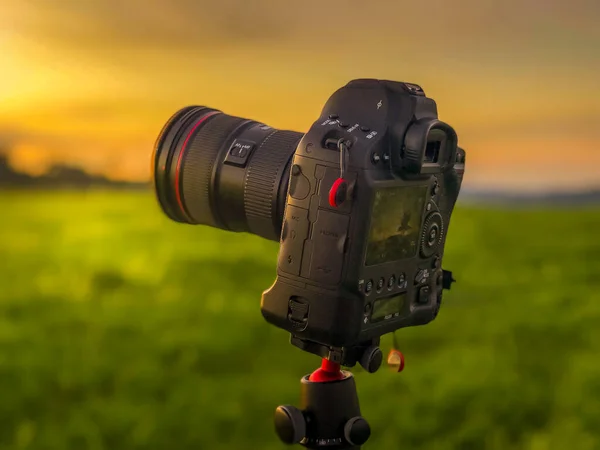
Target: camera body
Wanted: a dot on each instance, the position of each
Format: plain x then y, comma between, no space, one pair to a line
351,272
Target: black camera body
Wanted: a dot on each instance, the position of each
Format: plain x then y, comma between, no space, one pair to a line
360,204
352,271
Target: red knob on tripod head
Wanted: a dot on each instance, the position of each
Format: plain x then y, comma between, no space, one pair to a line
329,371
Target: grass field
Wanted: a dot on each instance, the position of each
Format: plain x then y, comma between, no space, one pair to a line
122,330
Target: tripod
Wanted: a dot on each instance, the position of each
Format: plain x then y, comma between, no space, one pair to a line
329,415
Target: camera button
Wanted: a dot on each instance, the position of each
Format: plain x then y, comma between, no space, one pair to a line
343,125
391,282
380,284
333,116
369,286
338,193
326,178
424,294
239,152
431,234
402,283
375,158
422,276
365,129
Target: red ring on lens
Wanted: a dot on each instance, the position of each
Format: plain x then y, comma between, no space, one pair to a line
180,159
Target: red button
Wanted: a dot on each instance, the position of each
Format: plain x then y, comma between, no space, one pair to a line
338,192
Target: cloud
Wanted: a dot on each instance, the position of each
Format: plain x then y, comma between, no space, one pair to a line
328,25
155,23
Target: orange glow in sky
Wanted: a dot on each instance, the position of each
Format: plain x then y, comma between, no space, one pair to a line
91,83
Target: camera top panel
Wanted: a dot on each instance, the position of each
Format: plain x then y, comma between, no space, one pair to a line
392,128
397,86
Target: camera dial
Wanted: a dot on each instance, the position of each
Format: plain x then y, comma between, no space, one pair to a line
431,234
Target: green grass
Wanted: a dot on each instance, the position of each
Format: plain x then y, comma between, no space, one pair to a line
122,330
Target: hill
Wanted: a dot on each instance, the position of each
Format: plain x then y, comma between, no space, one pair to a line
557,198
59,176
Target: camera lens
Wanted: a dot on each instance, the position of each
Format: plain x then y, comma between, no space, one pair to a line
223,171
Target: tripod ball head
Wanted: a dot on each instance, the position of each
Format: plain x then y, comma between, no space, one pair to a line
329,414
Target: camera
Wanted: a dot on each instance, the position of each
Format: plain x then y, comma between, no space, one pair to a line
361,205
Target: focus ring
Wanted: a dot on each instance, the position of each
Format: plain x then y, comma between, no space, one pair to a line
198,165
163,159
263,175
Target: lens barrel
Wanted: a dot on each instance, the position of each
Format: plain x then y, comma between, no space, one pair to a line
223,171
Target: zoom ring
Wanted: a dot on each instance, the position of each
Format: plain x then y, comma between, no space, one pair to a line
198,166
263,175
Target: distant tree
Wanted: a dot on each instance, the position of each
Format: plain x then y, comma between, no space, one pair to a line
8,176
58,176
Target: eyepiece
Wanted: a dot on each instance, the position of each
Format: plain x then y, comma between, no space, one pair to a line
436,143
429,147
223,171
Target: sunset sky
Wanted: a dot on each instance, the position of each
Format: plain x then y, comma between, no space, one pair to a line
92,82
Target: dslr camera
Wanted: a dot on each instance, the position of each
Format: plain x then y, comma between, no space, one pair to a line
361,205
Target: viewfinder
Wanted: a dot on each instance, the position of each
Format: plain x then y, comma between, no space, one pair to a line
435,145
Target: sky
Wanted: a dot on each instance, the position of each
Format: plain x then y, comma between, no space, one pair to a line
91,83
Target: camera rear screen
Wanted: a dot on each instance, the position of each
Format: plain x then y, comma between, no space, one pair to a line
395,224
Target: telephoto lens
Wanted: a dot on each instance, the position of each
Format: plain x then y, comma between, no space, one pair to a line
227,172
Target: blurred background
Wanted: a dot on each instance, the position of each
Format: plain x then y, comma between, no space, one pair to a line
122,330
